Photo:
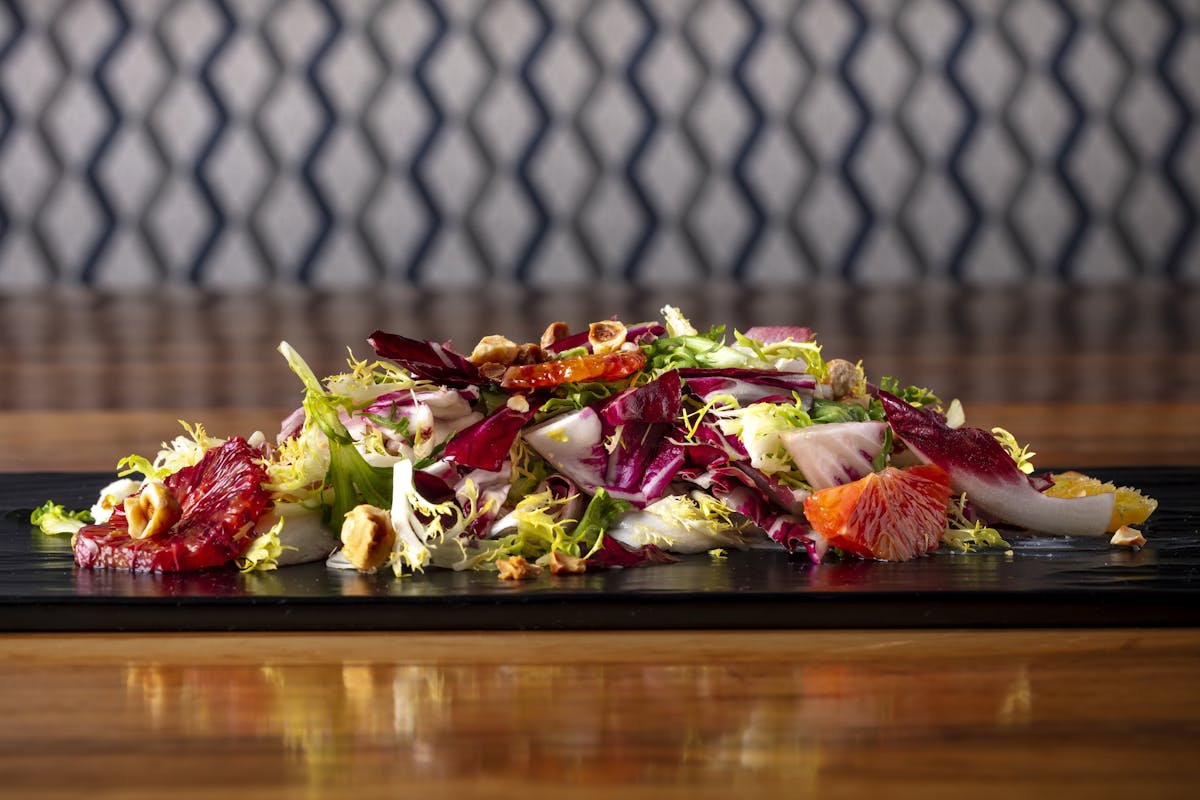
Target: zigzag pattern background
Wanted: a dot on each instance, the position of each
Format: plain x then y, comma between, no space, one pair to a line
551,142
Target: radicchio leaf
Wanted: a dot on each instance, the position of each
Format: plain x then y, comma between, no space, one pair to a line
485,445
738,489
612,553
750,385
428,360
657,401
834,453
639,467
771,334
573,443
979,466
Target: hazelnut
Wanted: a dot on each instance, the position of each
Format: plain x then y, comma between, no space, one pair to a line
845,379
494,349
561,563
1127,537
151,511
606,336
554,331
516,568
367,537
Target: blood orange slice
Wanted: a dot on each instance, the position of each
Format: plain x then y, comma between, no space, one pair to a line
575,369
220,498
894,515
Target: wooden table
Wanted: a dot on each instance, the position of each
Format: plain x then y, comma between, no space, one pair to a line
1098,377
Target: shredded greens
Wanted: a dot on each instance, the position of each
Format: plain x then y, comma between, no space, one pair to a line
54,519
966,535
264,552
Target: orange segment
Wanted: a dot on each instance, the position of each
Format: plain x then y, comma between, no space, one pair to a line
894,515
1132,507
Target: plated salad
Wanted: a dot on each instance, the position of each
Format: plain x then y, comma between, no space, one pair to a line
616,446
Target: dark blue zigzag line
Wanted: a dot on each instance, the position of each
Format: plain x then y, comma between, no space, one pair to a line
1174,151
1067,252
6,114
750,242
329,119
533,242
958,255
637,251
436,120
216,213
850,257
95,161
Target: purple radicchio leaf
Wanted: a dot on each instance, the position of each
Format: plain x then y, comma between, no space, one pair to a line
750,385
657,401
979,466
291,426
656,478
612,553
486,444
573,443
428,360
642,418
834,453
770,334
738,489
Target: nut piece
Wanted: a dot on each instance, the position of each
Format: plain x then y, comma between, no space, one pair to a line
494,349
367,537
845,379
492,371
518,403
606,336
554,331
1127,537
530,353
561,563
517,568
151,511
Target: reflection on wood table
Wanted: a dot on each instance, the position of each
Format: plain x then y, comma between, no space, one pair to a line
824,714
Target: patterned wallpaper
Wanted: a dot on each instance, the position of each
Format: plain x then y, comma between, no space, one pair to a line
552,142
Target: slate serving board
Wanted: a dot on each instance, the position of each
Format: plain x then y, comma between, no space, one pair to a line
1045,582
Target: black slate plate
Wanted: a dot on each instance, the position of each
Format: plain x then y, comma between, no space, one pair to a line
1046,582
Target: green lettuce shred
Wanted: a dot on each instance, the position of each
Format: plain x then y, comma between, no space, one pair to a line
966,536
54,519
264,552
352,480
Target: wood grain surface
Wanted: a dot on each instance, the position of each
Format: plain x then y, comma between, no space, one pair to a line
1058,713
1096,377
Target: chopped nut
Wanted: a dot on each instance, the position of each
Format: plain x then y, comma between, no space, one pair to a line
494,349
529,353
1127,537
518,403
561,563
517,568
492,371
151,511
554,331
367,537
606,336
845,379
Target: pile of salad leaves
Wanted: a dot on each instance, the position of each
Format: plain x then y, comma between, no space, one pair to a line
591,455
